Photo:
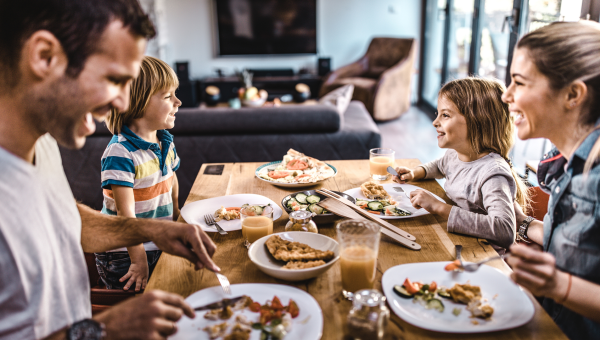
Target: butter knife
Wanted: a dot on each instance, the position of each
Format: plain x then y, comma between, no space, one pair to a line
220,304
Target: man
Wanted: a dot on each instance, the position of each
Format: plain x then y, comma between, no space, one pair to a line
64,63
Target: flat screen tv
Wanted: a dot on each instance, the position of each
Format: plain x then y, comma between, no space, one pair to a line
261,27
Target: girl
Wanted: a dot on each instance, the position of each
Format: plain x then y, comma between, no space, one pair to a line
138,170
475,125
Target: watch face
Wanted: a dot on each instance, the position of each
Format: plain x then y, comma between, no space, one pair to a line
85,330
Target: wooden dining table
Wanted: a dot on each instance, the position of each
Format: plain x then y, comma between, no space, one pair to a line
177,275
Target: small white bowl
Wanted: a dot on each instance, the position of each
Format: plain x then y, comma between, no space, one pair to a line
260,256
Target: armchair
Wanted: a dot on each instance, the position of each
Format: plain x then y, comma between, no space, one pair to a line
381,78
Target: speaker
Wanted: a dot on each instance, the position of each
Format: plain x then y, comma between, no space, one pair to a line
187,93
324,66
182,70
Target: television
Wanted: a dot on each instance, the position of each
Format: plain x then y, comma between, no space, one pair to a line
266,27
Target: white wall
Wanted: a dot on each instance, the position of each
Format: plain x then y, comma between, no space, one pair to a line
344,29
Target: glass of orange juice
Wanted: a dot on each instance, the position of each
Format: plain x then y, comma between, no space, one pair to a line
359,246
379,160
257,221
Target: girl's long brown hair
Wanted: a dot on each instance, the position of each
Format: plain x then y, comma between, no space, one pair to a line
490,127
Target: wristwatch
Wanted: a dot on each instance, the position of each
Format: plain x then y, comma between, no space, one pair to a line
523,230
86,329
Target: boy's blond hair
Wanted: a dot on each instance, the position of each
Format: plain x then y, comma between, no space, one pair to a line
490,128
155,75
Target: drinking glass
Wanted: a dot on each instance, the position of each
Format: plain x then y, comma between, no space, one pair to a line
256,224
379,160
359,246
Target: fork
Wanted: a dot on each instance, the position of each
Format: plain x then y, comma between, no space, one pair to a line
210,220
471,267
224,281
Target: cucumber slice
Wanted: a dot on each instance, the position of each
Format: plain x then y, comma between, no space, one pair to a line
400,290
435,304
443,293
315,208
313,199
301,198
258,209
376,206
402,212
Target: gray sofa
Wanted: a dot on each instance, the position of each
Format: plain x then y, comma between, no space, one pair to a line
218,135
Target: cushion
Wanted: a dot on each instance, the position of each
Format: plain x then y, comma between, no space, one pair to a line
339,98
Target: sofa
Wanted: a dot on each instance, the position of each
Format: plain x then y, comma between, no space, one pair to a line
381,77
223,135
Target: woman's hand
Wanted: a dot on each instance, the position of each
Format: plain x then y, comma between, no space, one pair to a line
138,276
536,271
404,175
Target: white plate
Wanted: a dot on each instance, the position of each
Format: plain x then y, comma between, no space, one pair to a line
308,325
194,212
400,197
259,255
290,185
512,307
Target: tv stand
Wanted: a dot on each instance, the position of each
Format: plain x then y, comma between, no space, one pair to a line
276,86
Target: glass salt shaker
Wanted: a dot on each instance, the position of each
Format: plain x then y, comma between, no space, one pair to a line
301,220
369,315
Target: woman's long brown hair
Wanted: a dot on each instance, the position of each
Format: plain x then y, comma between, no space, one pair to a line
490,127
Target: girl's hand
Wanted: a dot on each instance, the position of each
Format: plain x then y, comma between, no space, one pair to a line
536,271
137,275
423,199
404,175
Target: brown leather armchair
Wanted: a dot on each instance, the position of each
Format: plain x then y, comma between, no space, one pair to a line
381,78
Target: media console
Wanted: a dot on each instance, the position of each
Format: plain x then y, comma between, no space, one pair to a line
275,86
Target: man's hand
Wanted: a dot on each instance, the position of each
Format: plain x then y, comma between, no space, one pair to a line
152,315
137,276
404,175
186,240
536,271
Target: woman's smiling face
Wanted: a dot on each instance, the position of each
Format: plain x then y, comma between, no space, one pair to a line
531,100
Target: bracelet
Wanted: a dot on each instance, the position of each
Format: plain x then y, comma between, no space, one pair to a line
564,299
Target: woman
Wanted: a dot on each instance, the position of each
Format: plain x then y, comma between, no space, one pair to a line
555,94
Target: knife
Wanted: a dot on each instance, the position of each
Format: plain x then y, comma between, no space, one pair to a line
220,304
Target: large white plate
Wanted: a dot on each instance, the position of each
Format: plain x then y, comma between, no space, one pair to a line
290,185
512,307
194,212
308,325
401,198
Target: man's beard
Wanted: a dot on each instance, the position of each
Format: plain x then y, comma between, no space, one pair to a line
58,111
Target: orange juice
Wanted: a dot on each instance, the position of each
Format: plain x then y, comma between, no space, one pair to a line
379,165
255,227
358,268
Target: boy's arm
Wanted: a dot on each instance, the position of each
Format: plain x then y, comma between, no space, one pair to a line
175,197
138,271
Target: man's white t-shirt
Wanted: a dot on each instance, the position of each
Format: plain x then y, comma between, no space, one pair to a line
44,285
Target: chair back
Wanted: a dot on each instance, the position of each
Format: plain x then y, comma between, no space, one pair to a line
384,53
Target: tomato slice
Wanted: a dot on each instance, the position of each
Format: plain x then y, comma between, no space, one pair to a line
432,286
278,174
276,303
452,266
410,287
293,309
296,164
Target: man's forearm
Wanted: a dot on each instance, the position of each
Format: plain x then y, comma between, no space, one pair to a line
101,232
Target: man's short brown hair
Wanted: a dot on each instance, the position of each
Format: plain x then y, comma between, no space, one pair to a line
77,24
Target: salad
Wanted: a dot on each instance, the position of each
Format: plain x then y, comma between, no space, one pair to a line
306,202
384,207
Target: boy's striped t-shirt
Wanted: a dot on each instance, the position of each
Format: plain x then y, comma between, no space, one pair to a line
133,162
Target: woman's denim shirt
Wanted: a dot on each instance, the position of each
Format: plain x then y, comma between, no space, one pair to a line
572,230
